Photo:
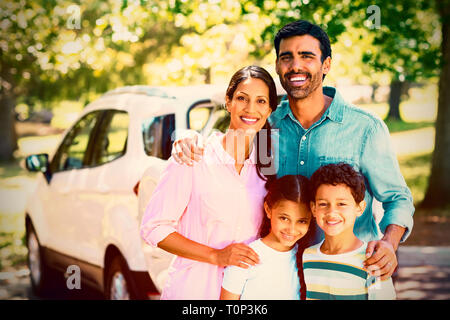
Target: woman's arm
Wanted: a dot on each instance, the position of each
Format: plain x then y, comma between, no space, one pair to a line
165,209
237,254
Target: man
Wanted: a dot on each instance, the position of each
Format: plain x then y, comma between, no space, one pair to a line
317,127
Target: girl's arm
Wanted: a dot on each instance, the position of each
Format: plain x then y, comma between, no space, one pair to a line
227,295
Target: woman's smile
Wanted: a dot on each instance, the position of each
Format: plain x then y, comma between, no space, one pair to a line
249,119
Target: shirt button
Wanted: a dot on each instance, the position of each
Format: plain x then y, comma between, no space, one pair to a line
302,162
304,138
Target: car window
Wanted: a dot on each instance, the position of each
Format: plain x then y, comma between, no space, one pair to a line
111,137
220,119
72,153
157,133
198,116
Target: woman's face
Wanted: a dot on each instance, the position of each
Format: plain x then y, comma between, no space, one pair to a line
249,108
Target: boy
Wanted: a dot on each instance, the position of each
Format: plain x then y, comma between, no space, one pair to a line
333,269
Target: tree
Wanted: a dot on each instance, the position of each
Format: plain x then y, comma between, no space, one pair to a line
438,191
408,48
52,50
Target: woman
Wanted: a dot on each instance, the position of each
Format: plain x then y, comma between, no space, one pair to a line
206,214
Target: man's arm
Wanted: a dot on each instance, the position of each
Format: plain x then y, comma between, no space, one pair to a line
380,166
188,148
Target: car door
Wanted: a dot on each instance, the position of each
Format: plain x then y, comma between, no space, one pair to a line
67,173
108,187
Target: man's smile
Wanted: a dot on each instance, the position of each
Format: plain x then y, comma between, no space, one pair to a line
297,80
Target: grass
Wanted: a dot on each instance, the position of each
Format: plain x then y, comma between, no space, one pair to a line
400,125
416,171
12,250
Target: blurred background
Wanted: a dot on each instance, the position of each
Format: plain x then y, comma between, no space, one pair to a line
57,56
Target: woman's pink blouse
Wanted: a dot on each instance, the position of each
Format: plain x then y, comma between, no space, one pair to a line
209,203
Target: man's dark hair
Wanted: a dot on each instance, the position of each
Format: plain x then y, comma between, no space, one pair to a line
300,28
340,173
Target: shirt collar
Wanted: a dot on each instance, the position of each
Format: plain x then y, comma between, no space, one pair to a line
334,111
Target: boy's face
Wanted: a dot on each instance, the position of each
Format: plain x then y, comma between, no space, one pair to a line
335,209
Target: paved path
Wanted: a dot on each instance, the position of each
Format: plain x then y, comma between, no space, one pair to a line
418,141
424,274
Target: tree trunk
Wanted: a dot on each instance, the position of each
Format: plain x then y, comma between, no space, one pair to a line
438,191
395,95
7,126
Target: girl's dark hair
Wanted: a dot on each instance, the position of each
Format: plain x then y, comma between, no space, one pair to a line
294,188
258,73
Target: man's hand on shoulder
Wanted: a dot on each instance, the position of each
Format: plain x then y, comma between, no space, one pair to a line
381,259
188,148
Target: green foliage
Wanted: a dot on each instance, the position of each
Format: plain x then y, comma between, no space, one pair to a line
407,44
52,51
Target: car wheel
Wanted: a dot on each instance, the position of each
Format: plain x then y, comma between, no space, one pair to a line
119,282
40,273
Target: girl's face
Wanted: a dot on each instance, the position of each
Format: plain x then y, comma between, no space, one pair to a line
249,108
289,222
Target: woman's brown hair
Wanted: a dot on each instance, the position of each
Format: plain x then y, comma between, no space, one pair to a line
262,74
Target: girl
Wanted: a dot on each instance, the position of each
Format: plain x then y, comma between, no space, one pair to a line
206,214
287,221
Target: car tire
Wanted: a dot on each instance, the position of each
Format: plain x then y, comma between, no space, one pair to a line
119,283
41,275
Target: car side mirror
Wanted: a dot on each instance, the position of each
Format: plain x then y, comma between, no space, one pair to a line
37,162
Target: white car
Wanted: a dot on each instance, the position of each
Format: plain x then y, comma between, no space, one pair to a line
84,212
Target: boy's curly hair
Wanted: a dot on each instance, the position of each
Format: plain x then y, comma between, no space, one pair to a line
338,173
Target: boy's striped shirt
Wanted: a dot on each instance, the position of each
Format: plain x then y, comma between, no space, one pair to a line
342,276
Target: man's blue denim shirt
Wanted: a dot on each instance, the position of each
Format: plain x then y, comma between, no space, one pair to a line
348,134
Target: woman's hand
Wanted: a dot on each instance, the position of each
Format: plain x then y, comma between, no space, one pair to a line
236,254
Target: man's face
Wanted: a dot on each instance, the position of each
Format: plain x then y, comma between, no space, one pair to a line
299,65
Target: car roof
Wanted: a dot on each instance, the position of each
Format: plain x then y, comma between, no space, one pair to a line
203,91
127,97
162,96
